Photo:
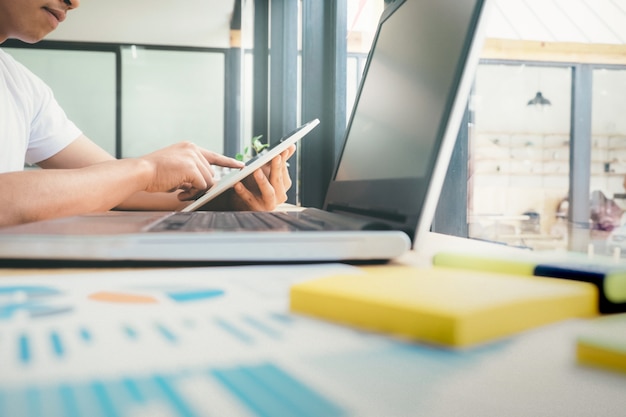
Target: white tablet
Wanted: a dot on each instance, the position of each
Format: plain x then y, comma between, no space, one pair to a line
233,177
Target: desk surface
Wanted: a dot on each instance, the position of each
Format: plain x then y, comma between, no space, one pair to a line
220,341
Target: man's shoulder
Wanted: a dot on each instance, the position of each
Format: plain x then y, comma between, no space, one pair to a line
18,75
10,66
7,58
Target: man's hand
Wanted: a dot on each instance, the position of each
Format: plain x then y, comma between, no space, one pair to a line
265,189
185,167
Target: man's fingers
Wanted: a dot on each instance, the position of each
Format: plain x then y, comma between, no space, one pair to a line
273,190
247,197
206,172
289,152
221,160
285,170
276,176
267,199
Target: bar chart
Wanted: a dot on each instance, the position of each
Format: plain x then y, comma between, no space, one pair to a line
137,346
262,389
60,342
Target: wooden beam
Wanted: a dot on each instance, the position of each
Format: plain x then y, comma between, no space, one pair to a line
585,53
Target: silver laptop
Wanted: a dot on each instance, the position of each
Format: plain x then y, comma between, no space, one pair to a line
384,190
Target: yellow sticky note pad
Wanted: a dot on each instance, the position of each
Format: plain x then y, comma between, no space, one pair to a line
443,305
603,343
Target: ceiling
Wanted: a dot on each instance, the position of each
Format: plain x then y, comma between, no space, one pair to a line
578,21
205,23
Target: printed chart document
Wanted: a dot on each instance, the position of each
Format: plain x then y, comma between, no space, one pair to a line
221,342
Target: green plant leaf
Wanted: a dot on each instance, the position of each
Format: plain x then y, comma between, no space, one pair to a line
257,144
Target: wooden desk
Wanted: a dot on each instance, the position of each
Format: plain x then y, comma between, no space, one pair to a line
234,350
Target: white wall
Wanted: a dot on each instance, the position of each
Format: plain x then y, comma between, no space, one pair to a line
200,23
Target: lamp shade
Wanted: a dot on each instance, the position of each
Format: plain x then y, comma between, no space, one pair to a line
539,100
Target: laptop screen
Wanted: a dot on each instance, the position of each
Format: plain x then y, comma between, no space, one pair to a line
401,113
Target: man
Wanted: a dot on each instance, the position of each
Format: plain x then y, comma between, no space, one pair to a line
79,176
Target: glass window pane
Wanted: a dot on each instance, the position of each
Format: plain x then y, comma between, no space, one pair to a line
519,155
363,17
83,83
608,149
171,96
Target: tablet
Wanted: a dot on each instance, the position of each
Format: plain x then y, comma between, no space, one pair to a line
234,176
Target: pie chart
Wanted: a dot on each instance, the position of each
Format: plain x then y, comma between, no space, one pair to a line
30,300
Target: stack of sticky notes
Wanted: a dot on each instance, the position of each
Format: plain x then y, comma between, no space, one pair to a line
603,344
606,274
442,305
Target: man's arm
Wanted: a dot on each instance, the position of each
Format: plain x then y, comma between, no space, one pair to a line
42,194
83,178
264,191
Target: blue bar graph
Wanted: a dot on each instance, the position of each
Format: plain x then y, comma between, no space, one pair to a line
264,389
130,332
183,296
57,344
33,402
24,349
133,390
166,333
68,401
270,392
174,399
103,400
85,335
100,398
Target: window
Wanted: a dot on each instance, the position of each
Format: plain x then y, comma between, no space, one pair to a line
162,95
521,189
519,154
608,150
169,96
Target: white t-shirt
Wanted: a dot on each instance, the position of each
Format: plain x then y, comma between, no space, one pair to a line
33,127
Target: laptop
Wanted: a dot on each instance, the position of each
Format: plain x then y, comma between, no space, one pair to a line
384,190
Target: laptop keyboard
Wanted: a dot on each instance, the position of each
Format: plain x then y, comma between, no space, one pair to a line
204,221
